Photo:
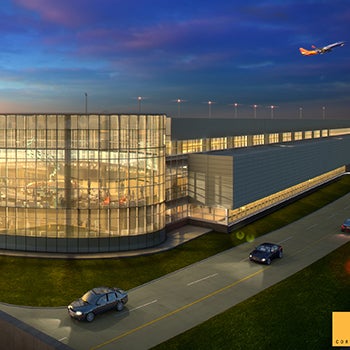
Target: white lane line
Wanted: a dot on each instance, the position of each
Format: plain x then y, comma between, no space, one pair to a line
61,340
285,240
247,258
202,279
312,226
144,305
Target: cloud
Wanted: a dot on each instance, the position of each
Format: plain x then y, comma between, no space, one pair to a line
67,13
257,65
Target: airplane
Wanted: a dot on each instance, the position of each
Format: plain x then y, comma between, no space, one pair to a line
318,50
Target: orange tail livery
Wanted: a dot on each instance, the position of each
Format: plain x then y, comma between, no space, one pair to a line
308,52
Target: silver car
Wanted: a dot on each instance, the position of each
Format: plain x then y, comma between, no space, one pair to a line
96,301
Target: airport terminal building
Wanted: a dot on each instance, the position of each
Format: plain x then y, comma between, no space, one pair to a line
76,183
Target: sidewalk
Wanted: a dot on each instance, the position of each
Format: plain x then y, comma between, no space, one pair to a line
174,239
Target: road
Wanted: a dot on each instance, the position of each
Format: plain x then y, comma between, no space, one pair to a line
170,305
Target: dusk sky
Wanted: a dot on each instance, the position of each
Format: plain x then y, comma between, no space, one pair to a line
53,52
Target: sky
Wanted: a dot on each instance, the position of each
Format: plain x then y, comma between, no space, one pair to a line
64,56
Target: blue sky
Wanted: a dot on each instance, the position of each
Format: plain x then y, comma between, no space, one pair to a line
242,51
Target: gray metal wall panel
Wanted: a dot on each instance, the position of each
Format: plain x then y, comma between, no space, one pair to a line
270,169
210,179
236,177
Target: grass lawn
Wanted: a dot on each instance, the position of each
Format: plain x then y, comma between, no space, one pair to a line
55,282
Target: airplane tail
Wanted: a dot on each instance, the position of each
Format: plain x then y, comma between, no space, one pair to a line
307,52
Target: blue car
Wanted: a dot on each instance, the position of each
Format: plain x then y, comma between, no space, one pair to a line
96,301
266,252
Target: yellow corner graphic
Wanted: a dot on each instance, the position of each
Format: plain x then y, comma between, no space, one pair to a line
341,328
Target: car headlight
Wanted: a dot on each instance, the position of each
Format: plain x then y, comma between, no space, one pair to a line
78,313
250,255
263,259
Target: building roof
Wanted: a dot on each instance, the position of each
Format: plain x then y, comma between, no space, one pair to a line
243,151
197,128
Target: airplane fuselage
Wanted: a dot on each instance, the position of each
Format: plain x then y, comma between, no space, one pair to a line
322,50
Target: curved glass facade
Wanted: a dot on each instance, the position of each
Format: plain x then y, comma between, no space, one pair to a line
82,183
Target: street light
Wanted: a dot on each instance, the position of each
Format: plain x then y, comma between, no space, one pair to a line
324,112
86,102
235,105
300,112
179,101
139,99
255,107
272,107
209,107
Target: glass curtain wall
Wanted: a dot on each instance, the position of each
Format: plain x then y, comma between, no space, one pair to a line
80,176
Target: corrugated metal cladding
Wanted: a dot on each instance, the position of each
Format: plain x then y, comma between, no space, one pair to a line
269,169
210,179
236,177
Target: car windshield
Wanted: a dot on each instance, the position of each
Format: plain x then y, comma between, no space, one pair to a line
263,248
88,297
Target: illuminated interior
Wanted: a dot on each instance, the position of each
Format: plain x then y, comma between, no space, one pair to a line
70,176
87,183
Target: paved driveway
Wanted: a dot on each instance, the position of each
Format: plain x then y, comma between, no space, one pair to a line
176,302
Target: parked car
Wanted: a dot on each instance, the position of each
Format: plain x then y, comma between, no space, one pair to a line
97,300
266,252
345,227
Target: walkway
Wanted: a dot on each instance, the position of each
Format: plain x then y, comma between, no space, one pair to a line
175,238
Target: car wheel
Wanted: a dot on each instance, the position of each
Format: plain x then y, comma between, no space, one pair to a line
268,261
90,317
280,254
120,306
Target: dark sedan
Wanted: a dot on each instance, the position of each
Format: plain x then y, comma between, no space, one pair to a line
266,252
96,301
345,227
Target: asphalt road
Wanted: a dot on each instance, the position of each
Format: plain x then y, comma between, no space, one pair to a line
170,305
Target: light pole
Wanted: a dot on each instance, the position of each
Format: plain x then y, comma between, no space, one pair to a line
255,107
300,112
139,99
236,109
178,101
272,107
209,107
324,112
86,102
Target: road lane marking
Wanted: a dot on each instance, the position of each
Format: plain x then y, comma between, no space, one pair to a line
131,331
285,240
144,305
313,243
202,279
312,226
